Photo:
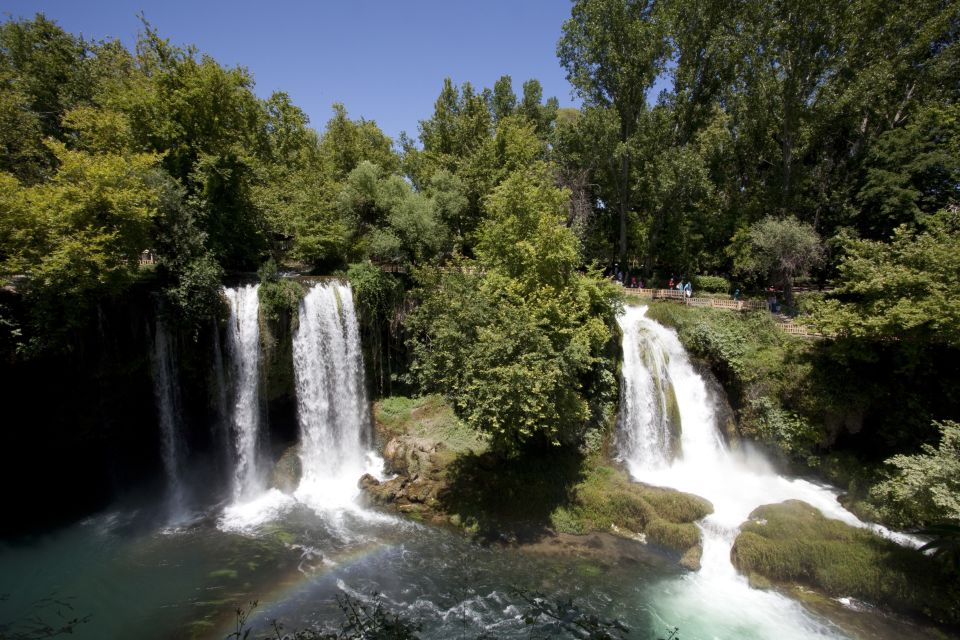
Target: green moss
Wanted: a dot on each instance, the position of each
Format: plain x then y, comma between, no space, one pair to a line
606,498
792,542
427,417
560,490
224,573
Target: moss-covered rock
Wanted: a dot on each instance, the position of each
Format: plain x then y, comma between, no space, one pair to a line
607,500
793,543
446,474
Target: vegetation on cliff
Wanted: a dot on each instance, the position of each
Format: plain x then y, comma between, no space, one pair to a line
448,473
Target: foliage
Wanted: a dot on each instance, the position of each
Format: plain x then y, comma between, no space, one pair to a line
375,292
280,298
77,236
944,543
516,339
711,284
905,289
925,487
779,248
793,542
196,295
613,50
912,171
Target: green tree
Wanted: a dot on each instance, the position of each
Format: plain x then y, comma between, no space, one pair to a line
780,248
925,487
77,236
346,143
516,338
504,101
904,289
613,50
912,171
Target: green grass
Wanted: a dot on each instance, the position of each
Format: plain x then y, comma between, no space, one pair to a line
426,417
792,542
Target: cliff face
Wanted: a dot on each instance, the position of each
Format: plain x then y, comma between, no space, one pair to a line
82,419
85,419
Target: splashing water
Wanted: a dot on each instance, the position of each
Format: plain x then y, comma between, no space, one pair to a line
331,398
716,600
243,338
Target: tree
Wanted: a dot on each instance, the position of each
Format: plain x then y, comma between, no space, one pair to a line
613,50
925,487
912,171
77,236
346,143
780,248
515,339
903,290
504,99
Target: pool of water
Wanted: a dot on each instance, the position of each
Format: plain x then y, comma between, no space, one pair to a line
120,575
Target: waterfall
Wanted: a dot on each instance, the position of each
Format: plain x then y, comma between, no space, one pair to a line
220,430
647,397
716,598
166,390
331,397
243,339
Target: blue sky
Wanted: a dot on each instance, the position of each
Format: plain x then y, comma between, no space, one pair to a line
385,60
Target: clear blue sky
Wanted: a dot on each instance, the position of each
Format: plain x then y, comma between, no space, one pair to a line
385,60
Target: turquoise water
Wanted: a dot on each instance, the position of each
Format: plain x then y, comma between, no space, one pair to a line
129,578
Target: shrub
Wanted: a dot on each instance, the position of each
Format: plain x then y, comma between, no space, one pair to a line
711,284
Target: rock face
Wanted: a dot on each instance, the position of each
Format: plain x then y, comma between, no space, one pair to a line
288,471
419,465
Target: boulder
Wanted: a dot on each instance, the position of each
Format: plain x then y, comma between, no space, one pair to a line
288,471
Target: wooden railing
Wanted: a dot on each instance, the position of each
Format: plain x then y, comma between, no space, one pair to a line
716,303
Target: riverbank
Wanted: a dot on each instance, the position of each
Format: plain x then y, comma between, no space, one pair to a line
565,502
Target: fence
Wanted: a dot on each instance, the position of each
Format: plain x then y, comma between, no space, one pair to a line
716,303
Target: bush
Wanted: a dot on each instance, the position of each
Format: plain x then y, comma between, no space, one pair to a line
711,284
278,297
376,293
926,486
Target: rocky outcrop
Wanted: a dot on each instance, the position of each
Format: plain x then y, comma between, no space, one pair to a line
288,471
418,464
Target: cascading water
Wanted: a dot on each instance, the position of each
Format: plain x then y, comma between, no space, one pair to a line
331,397
243,338
166,390
220,431
716,601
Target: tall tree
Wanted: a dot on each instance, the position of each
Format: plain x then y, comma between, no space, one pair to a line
613,50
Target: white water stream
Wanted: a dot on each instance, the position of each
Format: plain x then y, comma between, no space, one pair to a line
334,416
243,339
715,601
332,403
166,391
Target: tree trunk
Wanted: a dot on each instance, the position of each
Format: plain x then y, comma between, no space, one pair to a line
788,294
624,197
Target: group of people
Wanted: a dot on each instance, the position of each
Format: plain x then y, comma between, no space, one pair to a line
634,282
621,277
687,287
